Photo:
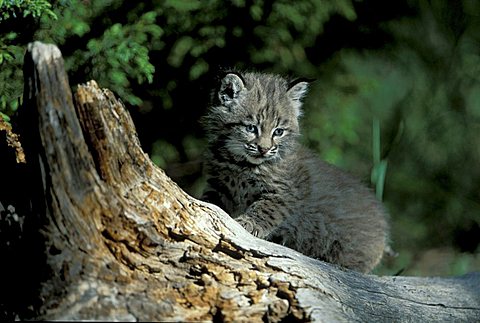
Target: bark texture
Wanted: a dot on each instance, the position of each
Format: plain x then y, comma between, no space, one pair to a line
124,242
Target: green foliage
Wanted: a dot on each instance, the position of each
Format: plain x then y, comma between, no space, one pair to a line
291,27
121,54
35,8
379,169
117,52
11,51
11,81
118,56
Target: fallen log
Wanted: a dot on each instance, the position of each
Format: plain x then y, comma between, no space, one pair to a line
121,241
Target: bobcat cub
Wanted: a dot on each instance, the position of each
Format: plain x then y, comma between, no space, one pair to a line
277,189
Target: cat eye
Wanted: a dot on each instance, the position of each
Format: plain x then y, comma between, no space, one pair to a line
278,132
251,128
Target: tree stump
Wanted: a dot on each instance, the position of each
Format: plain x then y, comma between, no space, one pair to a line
121,241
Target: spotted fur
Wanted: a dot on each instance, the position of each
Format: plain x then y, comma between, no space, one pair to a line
277,189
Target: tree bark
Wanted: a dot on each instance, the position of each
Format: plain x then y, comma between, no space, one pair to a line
121,241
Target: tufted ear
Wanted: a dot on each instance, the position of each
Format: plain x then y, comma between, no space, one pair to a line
231,86
296,92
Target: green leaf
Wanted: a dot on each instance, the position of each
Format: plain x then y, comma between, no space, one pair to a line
4,117
180,49
184,5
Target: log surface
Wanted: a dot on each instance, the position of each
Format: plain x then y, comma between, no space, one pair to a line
124,242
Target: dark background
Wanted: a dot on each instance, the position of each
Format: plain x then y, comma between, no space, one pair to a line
396,101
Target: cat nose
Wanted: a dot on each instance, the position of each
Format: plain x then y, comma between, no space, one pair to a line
263,150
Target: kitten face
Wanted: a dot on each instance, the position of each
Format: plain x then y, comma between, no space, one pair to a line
257,119
258,142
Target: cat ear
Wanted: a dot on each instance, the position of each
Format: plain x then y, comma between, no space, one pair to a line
296,92
231,86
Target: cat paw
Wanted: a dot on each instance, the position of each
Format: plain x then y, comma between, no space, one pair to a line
251,226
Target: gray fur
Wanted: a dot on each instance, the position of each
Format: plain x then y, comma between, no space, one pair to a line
277,189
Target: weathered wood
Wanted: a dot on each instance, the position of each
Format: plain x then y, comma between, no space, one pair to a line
124,242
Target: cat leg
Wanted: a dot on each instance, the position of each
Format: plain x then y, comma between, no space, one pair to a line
263,217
